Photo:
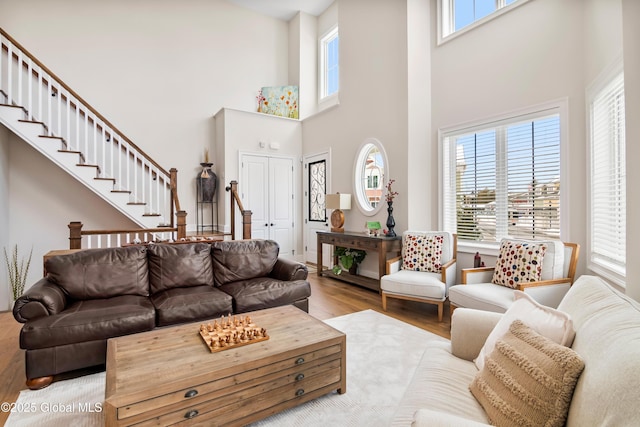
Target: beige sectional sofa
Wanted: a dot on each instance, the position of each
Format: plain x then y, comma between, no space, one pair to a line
607,338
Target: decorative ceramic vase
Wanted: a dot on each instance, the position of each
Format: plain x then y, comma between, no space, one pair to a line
390,221
207,183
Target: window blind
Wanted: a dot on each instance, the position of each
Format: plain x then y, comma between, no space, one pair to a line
608,178
503,180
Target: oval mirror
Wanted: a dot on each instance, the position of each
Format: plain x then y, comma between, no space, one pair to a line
370,170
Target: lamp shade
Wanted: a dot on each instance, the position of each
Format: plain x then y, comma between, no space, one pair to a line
338,201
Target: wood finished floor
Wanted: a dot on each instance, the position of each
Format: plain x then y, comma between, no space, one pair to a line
329,298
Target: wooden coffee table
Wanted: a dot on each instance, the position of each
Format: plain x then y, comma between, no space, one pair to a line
169,376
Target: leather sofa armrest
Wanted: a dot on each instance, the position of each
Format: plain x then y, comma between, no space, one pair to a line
42,299
469,330
286,269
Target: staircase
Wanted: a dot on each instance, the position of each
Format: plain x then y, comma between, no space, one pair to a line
47,114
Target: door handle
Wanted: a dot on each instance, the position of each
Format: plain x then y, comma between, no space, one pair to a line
266,225
272,224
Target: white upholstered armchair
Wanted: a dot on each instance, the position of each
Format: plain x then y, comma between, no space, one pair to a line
424,272
543,269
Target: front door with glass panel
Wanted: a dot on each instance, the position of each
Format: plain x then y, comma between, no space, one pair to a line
316,182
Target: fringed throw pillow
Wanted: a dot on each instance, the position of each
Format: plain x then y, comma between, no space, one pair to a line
528,380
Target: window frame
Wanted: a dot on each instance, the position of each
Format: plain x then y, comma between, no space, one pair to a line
596,262
325,99
446,25
559,107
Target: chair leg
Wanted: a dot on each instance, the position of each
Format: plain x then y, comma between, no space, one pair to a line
384,301
440,309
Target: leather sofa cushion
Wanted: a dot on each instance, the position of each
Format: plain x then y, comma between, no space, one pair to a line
242,260
101,273
91,320
265,292
182,305
179,266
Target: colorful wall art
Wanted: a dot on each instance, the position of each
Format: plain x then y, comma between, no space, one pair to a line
280,101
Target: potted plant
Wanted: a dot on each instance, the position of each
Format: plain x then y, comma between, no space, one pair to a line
348,259
17,270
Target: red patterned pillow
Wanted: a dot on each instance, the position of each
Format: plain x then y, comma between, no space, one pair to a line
518,262
422,252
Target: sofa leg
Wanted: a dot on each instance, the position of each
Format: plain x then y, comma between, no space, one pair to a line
440,309
40,382
384,301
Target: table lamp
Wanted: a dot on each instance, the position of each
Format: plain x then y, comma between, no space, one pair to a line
338,202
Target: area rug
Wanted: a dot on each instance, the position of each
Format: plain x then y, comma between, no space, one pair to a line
382,354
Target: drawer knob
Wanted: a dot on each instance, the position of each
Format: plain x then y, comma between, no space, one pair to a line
191,414
191,393
299,392
300,361
299,377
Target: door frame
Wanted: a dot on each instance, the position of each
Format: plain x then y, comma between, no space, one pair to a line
326,154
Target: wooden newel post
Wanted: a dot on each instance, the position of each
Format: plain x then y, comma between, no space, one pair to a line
233,188
75,235
182,225
246,224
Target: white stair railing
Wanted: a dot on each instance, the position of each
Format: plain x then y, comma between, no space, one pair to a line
77,127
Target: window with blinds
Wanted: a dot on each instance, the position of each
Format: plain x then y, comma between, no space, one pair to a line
607,231
503,179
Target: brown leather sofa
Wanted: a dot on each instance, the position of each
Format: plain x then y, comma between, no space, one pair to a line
96,294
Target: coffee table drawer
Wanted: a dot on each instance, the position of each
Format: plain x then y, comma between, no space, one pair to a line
235,404
287,371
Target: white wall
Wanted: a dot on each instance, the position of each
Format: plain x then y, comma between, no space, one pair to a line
422,182
530,55
243,132
4,214
157,69
631,35
303,61
373,102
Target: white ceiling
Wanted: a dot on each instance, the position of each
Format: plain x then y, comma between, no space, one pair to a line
285,9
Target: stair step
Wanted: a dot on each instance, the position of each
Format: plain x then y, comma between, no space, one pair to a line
79,153
35,122
15,106
136,204
121,191
151,214
86,165
55,137
105,179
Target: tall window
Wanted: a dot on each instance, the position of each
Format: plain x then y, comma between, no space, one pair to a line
459,15
329,64
503,179
607,231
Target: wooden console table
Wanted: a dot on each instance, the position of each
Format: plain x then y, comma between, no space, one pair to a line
363,241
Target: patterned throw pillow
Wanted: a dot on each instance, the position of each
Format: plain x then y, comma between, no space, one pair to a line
518,262
422,252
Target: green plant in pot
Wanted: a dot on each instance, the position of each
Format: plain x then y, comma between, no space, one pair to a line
348,259
17,269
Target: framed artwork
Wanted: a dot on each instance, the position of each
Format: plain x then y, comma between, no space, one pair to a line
280,101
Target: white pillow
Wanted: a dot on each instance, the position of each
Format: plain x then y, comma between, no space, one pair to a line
547,321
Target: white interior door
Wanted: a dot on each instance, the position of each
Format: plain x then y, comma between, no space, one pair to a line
281,203
316,185
267,191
